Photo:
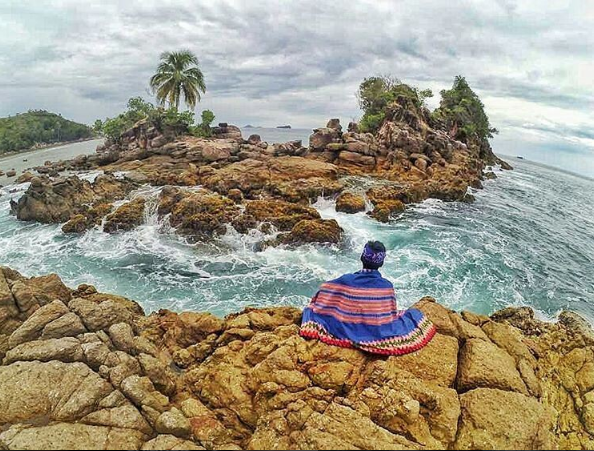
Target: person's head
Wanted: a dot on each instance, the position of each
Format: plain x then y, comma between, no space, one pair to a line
373,255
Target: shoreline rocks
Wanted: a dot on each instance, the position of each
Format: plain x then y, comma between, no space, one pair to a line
86,370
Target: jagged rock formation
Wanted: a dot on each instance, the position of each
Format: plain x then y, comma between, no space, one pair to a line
85,370
410,159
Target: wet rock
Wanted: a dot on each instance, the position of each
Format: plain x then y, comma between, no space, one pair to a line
199,214
11,173
282,215
77,224
350,203
322,231
56,201
127,217
385,210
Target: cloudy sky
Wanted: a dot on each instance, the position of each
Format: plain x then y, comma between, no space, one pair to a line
277,62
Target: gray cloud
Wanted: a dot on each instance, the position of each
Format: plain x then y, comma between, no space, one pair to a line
269,62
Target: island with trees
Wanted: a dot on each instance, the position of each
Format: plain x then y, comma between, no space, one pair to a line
38,128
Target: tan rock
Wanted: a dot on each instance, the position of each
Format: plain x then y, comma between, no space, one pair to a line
141,391
439,315
60,391
35,324
169,442
467,330
70,436
510,339
483,364
350,203
126,416
496,419
97,316
334,430
68,325
66,349
437,362
161,375
122,337
173,422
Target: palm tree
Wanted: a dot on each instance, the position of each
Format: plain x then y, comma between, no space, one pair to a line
178,73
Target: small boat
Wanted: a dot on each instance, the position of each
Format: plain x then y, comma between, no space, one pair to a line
520,157
24,159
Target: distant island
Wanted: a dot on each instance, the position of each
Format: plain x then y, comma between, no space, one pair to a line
283,126
252,126
38,128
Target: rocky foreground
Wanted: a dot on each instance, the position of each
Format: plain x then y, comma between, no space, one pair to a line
86,370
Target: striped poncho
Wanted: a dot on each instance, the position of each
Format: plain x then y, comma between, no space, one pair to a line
359,311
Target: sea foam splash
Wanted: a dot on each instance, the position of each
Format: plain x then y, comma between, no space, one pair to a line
514,246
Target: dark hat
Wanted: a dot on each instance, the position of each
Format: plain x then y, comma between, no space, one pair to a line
373,255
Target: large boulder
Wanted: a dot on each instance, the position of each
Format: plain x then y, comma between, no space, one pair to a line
282,215
483,364
55,201
324,231
127,217
199,214
496,419
226,131
350,203
321,137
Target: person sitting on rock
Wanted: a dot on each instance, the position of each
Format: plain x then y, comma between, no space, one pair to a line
360,311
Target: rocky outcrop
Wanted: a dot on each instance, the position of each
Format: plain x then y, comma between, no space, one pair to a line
127,217
55,201
350,203
85,370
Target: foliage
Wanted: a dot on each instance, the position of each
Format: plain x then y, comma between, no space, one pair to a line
376,94
98,127
178,74
463,113
26,130
203,129
139,109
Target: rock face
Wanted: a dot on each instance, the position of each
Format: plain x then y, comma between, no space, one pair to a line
54,201
85,370
350,203
126,217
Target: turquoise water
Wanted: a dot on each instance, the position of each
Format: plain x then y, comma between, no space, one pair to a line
527,240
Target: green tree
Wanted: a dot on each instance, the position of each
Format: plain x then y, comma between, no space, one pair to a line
98,126
25,130
376,94
462,112
178,74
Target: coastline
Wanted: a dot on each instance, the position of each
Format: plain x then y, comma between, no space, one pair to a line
45,147
193,381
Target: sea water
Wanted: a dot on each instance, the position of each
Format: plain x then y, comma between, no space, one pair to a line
527,240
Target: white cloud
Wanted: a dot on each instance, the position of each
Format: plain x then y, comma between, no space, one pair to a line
268,62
